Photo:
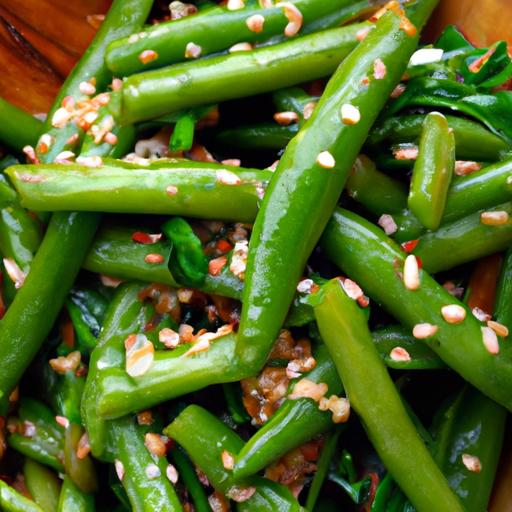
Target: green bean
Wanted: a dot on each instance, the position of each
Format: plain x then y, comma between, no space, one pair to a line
72,499
13,501
17,128
42,484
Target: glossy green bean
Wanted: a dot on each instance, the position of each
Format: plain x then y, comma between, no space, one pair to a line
503,307
80,470
72,499
173,187
162,91
373,395
17,128
260,136
12,501
290,216
433,171
217,29
356,245
42,484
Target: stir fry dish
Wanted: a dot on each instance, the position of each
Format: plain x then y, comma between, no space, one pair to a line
258,257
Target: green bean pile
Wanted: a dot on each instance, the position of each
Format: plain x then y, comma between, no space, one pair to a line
324,328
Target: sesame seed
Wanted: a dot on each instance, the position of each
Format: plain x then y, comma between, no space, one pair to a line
228,461
352,289
490,340
117,83
148,56
170,338
350,114
409,152
171,190
400,355
294,17
426,56
68,103
308,109
235,5
398,91
62,421
463,167
64,364
227,177
73,139
286,118
64,157
110,138
152,471
388,224
362,33
216,265
423,331
500,329
411,273
155,444
31,154
241,47
93,161
44,143
325,160
145,417
240,494
86,88
16,275
139,355
154,258
110,282
119,467
83,447
234,162
61,117
255,23
480,314
171,473
306,388
201,345
496,218
239,259
192,51
379,69
453,313
305,286
185,295
472,462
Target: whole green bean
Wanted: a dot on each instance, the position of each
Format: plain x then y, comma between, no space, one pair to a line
309,179
162,91
472,140
72,499
42,484
17,128
260,136
217,29
464,240
12,501
433,171
356,245
173,187
373,395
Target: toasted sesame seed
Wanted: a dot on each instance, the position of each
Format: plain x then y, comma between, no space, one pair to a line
93,161
306,388
398,91
500,329
234,162
64,364
409,152
305,286
388,224
117,83
472,462
61,117
308,109
109,281
192,51
68,103
423,331
350,114
64,157
155,444
294,17
286,118
110,138
148,56
411,273
240,494
340,408
227,177
44,143
31,154
201,345
154,258
241,47
62,421
463,167
234,5
169,338
86,88
145,417
352,289
139,355
172,474
152,471
490,340
171,190
325,160
119,467
228,461
400,355
73,139
185,295
216,265
480,314
379,69
83,447
239,259
496,218
453,313
255,23
16,275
